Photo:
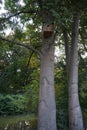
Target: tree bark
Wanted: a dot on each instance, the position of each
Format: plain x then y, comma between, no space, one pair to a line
47,109
47,106
75,115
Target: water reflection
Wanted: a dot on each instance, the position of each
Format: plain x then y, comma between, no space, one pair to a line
22,125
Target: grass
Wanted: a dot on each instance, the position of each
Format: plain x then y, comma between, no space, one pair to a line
15,119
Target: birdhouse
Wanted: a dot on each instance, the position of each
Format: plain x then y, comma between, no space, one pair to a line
48,30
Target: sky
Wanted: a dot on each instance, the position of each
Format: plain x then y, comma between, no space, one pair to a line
2,7
2,10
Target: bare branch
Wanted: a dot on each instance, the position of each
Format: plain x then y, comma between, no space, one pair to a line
29,59
21,12
21,44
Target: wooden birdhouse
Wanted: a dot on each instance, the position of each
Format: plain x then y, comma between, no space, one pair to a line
47,30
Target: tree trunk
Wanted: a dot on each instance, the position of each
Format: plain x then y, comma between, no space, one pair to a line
67,50
47,106
75,115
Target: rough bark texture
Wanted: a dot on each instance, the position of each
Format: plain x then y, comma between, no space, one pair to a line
47,109
75,115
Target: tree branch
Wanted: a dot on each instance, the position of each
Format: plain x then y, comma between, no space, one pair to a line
31,56
20,44
39,3
18,13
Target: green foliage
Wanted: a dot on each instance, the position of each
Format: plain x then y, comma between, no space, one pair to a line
32,95
12,6
12,104
79,4
61,98
14,72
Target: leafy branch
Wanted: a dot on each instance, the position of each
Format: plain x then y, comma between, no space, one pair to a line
20,44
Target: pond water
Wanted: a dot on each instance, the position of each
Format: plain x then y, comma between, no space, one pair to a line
22,125
23,122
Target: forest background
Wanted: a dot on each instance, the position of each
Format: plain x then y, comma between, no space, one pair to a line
20,56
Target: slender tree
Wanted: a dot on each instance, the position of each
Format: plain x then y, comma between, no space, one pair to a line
75,115
71,50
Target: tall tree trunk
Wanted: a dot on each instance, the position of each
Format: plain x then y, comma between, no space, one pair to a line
75,115
47,107
67,50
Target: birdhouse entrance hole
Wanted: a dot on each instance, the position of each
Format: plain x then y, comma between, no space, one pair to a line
48,30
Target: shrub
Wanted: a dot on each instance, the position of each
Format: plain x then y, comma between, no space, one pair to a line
12,104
